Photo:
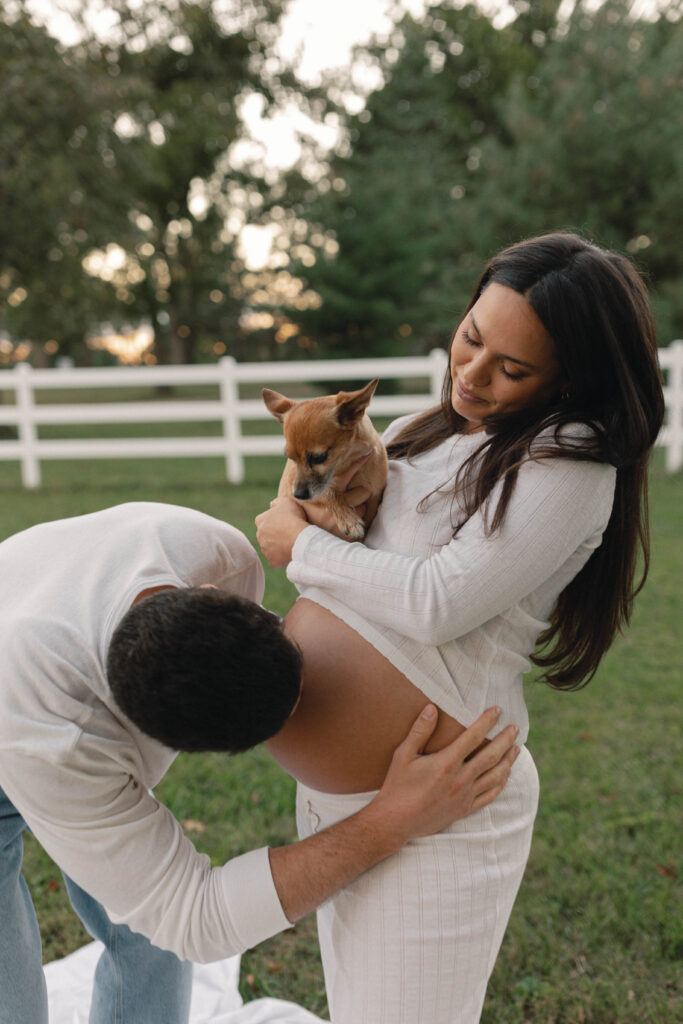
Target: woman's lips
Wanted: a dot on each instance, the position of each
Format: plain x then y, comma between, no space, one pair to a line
466,395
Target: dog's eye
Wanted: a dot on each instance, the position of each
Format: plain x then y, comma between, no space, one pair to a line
316,458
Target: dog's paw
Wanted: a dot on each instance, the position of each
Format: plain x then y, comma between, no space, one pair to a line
355,532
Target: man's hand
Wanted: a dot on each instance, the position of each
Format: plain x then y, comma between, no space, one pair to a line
422,793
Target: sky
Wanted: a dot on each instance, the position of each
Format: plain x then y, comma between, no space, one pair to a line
325,30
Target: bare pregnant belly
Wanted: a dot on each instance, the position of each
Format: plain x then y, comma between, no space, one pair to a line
355,708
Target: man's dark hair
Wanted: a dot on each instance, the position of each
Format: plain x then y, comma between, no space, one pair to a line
202,669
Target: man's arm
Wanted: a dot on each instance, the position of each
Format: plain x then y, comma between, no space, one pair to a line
422,794
89,811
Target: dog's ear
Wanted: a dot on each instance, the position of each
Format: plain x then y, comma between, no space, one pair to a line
276,403
352,404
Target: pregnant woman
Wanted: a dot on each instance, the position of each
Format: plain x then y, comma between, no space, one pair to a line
513,517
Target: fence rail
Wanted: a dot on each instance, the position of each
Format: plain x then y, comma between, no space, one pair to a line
229,410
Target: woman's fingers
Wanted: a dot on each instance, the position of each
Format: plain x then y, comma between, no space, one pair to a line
287,505
277,529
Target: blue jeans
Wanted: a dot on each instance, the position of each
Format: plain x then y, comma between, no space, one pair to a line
135,983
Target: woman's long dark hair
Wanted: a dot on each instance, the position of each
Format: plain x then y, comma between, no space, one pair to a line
595,307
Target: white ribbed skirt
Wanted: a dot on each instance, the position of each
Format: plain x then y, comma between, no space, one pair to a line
414,940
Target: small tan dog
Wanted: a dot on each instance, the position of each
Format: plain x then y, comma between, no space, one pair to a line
323,437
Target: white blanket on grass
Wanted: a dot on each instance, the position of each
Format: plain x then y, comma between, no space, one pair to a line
215,996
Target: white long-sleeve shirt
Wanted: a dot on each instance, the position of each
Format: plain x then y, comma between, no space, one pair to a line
460,616
78,771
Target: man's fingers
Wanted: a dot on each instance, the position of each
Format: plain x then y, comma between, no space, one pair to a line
496,777
487,786
486,798
487,771
491,753
474,736
422,728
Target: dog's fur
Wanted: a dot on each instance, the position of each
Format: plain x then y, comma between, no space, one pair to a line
323,436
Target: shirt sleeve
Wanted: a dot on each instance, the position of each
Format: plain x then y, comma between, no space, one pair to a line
207,550
396,426
557,506
128,851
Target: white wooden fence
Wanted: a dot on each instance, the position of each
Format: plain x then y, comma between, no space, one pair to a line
230,410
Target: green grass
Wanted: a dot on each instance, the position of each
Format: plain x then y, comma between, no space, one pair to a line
595,937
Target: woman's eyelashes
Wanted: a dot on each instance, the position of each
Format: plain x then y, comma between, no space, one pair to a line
469,340
512,376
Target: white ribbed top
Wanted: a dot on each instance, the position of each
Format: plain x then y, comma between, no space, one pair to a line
460,616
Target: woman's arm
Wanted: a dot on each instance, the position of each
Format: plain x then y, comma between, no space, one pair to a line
557,506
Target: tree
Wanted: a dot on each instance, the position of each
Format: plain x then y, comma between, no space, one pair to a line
399,206
594,142
137,133
54,200
181,73
480,136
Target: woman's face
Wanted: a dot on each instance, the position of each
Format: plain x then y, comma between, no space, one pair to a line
502,358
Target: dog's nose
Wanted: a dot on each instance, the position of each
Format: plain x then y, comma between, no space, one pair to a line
302,493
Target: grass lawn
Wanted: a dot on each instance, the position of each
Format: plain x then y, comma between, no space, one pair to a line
595,937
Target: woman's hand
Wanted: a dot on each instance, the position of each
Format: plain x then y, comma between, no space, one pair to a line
277,529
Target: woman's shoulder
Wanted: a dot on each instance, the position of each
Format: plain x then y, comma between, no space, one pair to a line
573,434
556,452
571,439
396,426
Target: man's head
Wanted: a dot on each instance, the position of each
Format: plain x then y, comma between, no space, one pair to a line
202,669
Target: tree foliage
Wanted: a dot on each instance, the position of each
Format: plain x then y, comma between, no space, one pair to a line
413,151
595,142
55,197
124,201
134,132
480,136
182,72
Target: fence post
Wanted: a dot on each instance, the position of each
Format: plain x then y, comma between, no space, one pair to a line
439,361
30,466
674,448
229,389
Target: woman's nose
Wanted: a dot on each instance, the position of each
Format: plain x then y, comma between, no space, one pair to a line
477,371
